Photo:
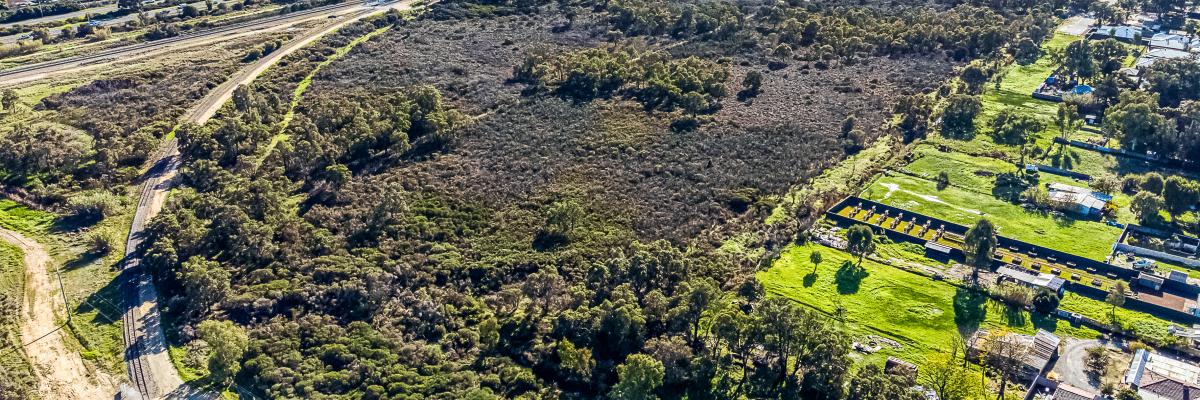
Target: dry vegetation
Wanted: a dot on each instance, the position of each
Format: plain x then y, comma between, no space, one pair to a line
670,185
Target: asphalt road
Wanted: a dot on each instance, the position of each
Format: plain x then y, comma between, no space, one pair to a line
62,17
51,68
149,365
172,10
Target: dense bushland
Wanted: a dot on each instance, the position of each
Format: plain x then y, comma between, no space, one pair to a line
491,202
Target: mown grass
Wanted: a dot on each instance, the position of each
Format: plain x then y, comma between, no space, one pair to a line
1142,324
1092,239
921,314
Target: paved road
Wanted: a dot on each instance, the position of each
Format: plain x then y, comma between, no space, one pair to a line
172,10
51,68
62,17
149,365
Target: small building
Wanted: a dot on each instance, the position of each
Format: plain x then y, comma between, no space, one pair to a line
1078,200
1124,33
896,366
1068,392
1042,350
1151,281
937,251
1178,276
1158,377
1032,279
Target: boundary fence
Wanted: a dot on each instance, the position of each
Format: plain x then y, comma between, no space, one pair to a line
1128,274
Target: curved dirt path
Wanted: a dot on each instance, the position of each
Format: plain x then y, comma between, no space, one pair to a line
60,370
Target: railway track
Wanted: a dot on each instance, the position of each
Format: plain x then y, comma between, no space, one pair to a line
140,373
143,336
109,54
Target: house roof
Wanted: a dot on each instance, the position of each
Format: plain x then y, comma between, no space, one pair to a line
1170,41
1068,392
1148,368
1154,55
1039,279
1044,348
1122,31
1060,192
1168,389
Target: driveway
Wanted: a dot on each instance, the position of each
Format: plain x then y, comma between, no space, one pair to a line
1076,25
1071,366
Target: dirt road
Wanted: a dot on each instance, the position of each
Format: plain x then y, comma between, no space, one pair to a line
60,370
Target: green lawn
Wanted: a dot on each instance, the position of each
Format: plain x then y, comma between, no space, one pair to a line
1144,325
1014,93
914,310
1090,239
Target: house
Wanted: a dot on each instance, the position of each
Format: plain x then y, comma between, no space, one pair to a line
1158,377
1032,279
1125,33
1170,41
1155,55
1042,349
1068,392
1077,200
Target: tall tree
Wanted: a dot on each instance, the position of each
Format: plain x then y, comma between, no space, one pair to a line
228,342
1137,121
1004,354
1014,128
958,119
1179,195
1146,206
860,241
1116,297
978,246
947,375
815,258
871,383
1067,119
638,378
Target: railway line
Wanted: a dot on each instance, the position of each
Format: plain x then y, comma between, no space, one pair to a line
150,369
124,53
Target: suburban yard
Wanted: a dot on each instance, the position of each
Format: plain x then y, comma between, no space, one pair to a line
921,314
1092,239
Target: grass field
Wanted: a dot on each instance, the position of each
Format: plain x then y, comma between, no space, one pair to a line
90,282
1018,82
965,207
12,287
919,313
